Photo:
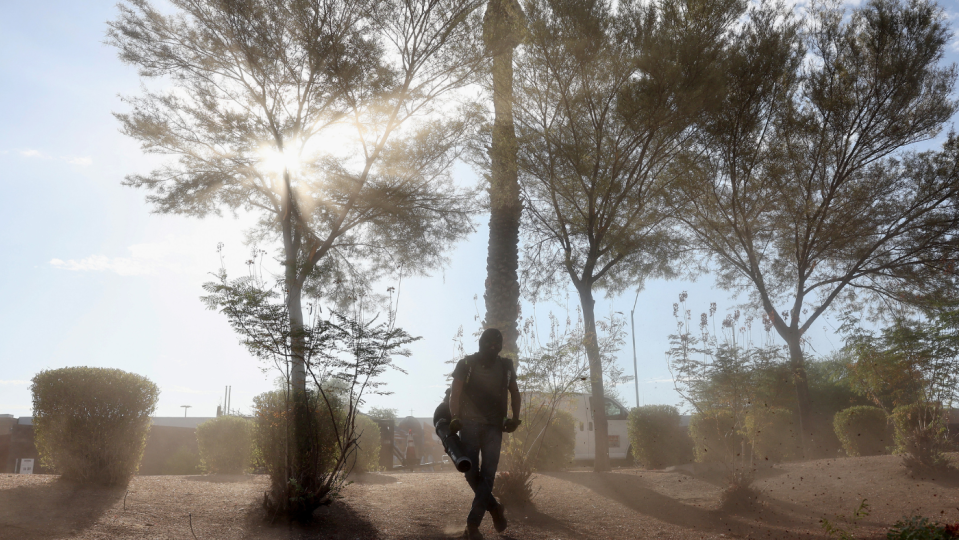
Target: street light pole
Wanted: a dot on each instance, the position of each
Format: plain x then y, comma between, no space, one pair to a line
632,323
185,407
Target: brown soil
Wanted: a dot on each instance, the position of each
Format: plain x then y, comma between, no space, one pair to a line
579,504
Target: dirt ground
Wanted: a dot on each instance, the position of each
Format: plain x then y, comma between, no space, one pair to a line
579,504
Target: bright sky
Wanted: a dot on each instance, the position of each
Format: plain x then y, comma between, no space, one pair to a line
91,277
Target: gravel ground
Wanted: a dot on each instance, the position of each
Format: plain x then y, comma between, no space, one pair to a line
578,504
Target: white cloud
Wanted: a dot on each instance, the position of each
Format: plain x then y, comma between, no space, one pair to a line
31,153
171,255
14,382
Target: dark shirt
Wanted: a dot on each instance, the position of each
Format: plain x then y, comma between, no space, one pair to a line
485,397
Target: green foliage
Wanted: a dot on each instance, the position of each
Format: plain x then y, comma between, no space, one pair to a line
273,437
842,534
656,437
225,444
382,413
773,434
557,444
862,430
716,438
367,455
921,435
91,424
830,390
920,528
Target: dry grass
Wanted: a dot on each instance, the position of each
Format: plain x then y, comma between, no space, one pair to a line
579,504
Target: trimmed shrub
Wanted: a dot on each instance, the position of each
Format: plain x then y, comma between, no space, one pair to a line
225,444
367,456
921,435
271,436
91,424
862,430
656,437
715,438
773,434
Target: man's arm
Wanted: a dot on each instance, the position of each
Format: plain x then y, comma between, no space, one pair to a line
514,398
455,397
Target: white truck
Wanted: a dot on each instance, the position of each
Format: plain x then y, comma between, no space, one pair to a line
580,406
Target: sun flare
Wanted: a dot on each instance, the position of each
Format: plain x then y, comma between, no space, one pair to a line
276,162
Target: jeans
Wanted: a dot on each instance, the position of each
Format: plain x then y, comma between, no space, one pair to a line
482,439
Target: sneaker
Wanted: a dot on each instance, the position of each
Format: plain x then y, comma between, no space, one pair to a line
472,532
499,518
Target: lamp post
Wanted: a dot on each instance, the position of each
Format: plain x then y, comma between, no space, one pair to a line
185,407
632,323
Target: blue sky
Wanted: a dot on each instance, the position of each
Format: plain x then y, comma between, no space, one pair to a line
91,277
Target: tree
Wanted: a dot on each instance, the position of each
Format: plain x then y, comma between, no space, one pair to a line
504,27
804,197
262,92
910,361
608,100
344,355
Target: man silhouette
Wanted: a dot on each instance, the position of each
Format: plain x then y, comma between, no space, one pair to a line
482,384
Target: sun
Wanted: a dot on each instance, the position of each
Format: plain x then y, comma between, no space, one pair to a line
276,162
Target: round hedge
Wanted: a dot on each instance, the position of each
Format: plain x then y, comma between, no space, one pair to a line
225,443
656,437
715,437
91,424
862,430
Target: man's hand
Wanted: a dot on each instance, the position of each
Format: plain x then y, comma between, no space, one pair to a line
510,424
455,425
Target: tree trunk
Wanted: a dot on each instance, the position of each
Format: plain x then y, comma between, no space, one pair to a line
297,505
501,35
601,426
798,367
502,283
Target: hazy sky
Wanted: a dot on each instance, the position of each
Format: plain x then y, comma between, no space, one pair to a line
91,277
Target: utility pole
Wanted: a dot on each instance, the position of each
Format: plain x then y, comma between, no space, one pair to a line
632,323
185,407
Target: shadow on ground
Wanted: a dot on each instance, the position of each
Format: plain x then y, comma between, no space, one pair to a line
221,478
770,520
337,521
53,510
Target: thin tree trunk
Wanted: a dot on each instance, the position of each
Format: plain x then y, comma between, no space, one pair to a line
502,284
301,460
798,366
600,425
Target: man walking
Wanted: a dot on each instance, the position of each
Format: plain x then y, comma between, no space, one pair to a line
478,403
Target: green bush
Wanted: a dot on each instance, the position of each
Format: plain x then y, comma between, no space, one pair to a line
773,434
715,437
656,437
225,444
272,432
91,424
921,528
921,435
367,456
862,430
